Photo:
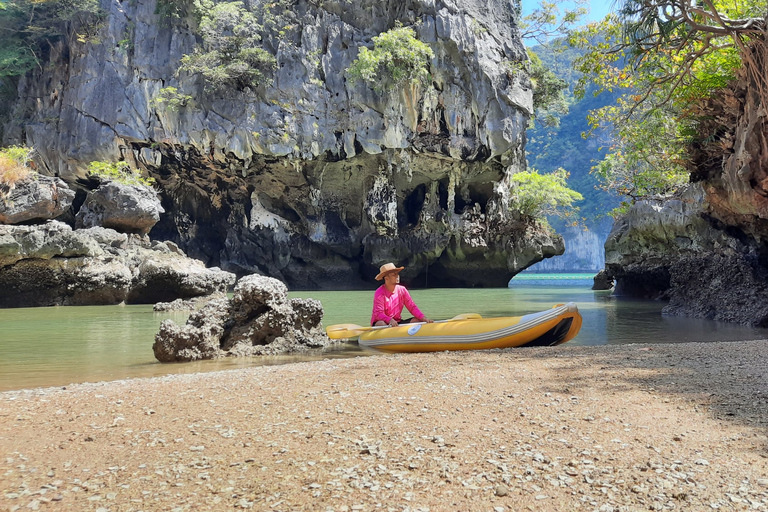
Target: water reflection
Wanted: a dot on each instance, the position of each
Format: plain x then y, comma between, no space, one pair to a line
60,345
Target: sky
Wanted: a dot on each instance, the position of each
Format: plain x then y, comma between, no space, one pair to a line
597,8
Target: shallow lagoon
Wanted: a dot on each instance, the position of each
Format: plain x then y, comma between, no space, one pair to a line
62,345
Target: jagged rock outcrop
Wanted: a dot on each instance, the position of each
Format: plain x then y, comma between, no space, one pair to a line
310,179
654,235
603,281
677,251
728,288
187,304
710,258
52,264
258,320
124,208
35,199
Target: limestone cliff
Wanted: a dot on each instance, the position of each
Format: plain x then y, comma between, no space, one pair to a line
584,251
706,250
310,180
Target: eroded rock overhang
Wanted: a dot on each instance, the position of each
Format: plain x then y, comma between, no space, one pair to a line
312,180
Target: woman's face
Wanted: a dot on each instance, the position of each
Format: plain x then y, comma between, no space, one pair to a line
393,278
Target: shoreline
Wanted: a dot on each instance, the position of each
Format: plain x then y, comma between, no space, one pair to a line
625,427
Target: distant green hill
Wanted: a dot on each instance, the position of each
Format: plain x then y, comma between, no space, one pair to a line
551,147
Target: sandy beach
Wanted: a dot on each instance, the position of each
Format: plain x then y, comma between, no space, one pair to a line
609,428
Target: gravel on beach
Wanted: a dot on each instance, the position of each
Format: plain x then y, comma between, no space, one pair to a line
609,428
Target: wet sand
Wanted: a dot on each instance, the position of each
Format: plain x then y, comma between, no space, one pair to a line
609,428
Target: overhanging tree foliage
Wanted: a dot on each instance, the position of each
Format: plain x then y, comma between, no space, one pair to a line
668,56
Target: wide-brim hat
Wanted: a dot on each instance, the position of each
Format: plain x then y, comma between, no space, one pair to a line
387,268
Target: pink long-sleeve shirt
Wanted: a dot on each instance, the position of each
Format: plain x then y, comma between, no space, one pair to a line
387,306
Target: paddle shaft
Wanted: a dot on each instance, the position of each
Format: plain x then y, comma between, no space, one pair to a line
354,330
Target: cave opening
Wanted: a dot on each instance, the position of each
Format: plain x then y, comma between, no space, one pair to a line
412,206
442,193
479,193
279,207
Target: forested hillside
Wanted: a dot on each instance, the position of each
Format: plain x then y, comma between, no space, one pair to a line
563,144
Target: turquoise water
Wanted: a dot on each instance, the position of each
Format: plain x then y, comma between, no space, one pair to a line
533,277
61,345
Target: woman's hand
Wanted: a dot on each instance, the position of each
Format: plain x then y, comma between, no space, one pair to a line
427,320
393,323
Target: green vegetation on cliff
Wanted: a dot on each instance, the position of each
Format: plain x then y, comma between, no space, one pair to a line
237,44
119,172
29,27
15,165
397,57
231,54
543,195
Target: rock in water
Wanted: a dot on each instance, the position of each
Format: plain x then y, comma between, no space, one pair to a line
602,281
260,319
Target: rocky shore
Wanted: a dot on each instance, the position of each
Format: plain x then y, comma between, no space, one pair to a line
662,427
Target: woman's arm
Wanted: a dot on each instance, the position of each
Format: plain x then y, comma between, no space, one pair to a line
410,305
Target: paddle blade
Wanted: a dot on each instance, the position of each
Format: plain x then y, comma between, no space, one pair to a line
467,316
342,331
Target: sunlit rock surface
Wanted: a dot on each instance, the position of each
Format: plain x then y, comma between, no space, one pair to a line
309,179
53,265
260,319
34,199
676,250
124,208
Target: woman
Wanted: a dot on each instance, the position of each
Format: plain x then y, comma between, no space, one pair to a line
391,297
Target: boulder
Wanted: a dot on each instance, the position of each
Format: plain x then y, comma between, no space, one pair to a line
260,319
602,281
52,264
35,199
124,208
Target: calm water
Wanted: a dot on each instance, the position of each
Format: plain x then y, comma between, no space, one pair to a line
61,345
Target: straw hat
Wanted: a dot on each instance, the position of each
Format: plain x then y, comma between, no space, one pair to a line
387,268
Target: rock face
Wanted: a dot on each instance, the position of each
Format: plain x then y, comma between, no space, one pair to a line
310,179
675,250
34,199
124,208
584,251
51,264
258,320
602,281
707,250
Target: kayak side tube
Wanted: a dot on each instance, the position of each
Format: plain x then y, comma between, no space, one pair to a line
545,328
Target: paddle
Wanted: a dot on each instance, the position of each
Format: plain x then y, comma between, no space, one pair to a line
341,331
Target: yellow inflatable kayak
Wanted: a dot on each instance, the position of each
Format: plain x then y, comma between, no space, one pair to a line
471,332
